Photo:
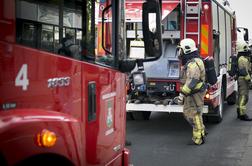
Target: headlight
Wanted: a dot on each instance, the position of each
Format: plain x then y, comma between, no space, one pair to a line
138,78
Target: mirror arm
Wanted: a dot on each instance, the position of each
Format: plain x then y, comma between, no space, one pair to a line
127,65
140,65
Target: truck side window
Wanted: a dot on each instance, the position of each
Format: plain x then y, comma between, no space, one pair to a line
44,25
72,28
27,34
98,34
172,21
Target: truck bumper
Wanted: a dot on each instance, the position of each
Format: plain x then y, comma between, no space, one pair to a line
131,107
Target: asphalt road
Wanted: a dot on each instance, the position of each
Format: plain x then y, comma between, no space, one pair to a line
165,140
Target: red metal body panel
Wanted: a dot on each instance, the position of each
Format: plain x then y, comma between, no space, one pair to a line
19,129
7,22
134,9
100,137
62,110
71,101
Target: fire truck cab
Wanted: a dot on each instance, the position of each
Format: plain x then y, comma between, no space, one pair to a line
67,108
212,25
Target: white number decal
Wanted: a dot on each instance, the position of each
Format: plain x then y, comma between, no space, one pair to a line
22,79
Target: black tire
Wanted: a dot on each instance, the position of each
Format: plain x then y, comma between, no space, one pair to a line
231,100
141,115
46,160
129,116
217,118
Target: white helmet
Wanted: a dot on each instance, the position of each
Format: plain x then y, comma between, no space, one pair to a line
242,46
188,45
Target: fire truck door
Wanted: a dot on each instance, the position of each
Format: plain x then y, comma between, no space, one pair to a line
103,97
103,89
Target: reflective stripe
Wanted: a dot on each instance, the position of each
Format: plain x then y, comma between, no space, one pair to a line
247,77
198,86
204,39
197,141
242,59
198,131
241,101
196,134
198,123
229,63
242,106
186,90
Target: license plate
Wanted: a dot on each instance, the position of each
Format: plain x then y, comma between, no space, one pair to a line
162,86
170,87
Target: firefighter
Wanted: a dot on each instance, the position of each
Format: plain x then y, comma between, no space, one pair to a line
244,79
69,48
193,88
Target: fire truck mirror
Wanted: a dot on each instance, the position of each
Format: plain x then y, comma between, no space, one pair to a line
244,32
152,30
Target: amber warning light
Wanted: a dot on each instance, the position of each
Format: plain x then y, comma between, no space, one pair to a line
46,138
207,96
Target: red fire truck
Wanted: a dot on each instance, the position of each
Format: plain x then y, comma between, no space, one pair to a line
66,109
212,25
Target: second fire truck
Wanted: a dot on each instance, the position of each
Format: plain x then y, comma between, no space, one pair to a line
212,25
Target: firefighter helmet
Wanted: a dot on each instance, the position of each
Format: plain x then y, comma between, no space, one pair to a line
242,46
188,45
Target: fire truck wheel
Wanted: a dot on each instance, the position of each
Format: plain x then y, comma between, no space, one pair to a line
231,100
129,116
46,160
141,115
217,118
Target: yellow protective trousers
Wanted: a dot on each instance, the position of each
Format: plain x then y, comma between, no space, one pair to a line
243,95
193,108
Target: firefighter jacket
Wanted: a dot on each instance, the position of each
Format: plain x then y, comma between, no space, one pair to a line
193,77
244,68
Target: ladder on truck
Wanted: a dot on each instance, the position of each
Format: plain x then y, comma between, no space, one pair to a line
192,15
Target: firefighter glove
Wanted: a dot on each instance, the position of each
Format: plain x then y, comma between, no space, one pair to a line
180,99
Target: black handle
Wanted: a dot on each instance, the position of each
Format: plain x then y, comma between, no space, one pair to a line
91,101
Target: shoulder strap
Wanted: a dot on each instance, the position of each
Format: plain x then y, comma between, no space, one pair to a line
192,60
199,68
187,63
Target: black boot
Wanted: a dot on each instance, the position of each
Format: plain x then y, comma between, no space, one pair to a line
238,113
203,139
245,117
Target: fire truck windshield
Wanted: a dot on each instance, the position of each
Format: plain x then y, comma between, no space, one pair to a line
71,28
